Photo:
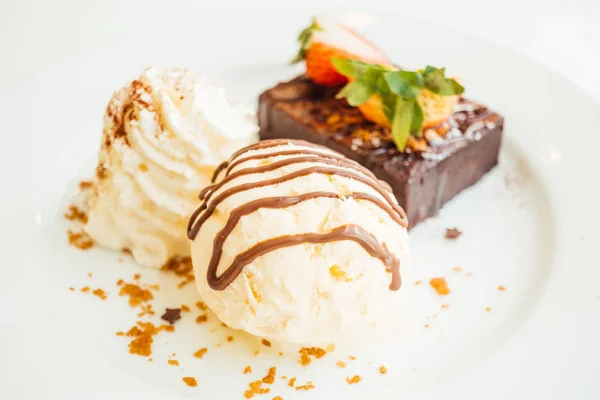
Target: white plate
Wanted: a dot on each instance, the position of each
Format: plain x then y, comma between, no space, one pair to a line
529,225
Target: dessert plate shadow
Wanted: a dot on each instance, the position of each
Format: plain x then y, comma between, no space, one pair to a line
522,318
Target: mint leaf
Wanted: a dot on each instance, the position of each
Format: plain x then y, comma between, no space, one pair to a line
356,93
416,127
436,82
401,123
304,39
353,68
403,87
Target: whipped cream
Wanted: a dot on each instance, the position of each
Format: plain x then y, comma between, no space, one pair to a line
163,136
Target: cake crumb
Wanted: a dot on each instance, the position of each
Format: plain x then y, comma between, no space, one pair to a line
426,326
488,309
89,274
200,353
501,288
418,282
72,289
440,285
190,381
457,269
81,240
383,370
136,294
136,277
351,357
445,306
468,274
120,333
119,282
284,377
256,352
292,382
270,377
247,370
143,333
277,398
341,364
266,342
201,305
171,315
173,362
307,386
230,338
201,318
99,293
452,233
353,380
85,289
185,308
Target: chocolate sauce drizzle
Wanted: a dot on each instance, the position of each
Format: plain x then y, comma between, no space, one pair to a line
336,165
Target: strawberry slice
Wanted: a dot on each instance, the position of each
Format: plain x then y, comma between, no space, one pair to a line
325,39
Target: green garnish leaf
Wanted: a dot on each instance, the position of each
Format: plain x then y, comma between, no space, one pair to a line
401,123
356,93
436,82
398,91
353,68
304,39
416,126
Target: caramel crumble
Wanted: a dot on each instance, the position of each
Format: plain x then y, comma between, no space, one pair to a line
72,289
307,386
501,288
418,282
182,267
383,370
146,310
353,380
341,364
75,214
266,342
457,269
85,289
201,318
445,306
277,398
270,377
255,388
201,305
99,293
247,370
143,333
173,362
185,308
200,353
136,294
352,357
488,309
190,381
426,326
230,338
81,240
440,286
292,382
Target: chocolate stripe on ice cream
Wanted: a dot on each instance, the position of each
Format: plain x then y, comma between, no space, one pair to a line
261,146
334,165
345,232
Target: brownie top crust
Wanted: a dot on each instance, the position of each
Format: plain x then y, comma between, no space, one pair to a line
342,127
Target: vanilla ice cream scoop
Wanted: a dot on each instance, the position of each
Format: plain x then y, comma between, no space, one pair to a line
296,243
164,134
